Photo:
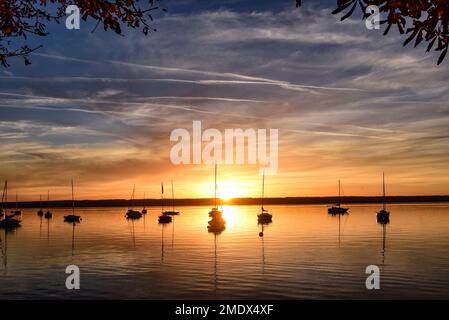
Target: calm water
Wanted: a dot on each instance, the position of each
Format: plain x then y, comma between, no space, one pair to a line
302,254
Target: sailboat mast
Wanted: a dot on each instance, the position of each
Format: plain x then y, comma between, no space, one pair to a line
263,188
339,193
173,196
215,197
73,201
132,197
17,199
162,196
40,200
48,200
6,198
383,188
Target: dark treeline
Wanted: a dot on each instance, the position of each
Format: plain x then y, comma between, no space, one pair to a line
236,201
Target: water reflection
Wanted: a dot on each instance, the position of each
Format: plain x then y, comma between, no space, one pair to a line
384,239
296,258
4,250
132,231
74,224
163,227
339,225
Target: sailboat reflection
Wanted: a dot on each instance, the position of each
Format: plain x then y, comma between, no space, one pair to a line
261,235
384,240
216,235
48,230
339,226
133,232
4,250
74,224
40,226
163,226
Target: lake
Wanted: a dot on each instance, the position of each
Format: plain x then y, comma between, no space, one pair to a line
304,254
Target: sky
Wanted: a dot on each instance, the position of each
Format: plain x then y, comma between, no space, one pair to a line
348,102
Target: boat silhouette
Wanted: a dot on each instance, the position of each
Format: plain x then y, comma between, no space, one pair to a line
383,216
131,213
72,218
40,212
163,218
215,212
48,214
264,216
170,212
9,221
144,209
338,209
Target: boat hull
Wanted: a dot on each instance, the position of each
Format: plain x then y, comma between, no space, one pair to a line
170,213
337,210
216,225
264,217
48,215
165,219
383,217
131,214
9,223
72,218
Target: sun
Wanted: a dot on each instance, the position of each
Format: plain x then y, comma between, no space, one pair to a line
226,191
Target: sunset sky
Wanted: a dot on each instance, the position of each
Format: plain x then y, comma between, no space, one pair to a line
349,103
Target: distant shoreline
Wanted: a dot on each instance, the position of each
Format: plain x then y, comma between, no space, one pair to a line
235,201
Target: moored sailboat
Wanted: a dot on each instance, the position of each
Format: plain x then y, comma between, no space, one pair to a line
383,216
131,213
10,221
171,212
164,218
72,217
338,209
144,210
264,216
40,212
215,212
48,214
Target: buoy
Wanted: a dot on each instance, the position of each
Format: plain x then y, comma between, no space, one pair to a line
260,234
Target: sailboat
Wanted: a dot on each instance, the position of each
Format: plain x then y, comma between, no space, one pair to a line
72,217
217,224
48,214
172,212
264,216
144,210
17,212
164,218
215,212
383,216
338,209
9,221
131,213
40,212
